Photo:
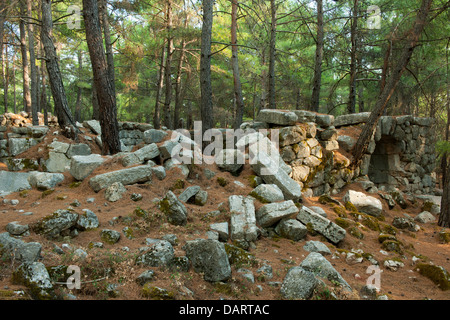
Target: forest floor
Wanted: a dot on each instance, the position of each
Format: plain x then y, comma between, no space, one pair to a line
280,253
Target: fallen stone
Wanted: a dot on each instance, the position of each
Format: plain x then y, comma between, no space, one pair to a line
175,211
78,149
321,267
16,229
188,193
221,229
364,203
243,221
298,284
210,258
270,171
57,162
425,217
317,246
115,192
87,221
34,276
18,249
110,236
270,214
94,126
405,223
327,228
127,176
158,254
54,225
291,229
45,180
82,166
13,181
267,193
230,160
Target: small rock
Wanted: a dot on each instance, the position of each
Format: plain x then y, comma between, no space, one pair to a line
115,192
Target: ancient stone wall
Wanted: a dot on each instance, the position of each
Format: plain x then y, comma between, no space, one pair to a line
316,148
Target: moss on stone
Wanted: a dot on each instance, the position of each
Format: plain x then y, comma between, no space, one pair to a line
350,207
47,193
355,232
222,181
444,236
258,197
342,222
74,184
437,274
389,229
370,222
24,193
340,211
238,256
179,184
384,237
392,245
156,293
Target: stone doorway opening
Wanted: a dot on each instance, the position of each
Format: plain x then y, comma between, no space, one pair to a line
385,163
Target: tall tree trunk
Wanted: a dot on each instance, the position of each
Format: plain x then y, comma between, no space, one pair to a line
351,107
65,119
79,90
168,69
4,54
444,217
239,100
14,82
179,88
44,102
5,73
272,54
25,68
103,83
206,106
159,87
317,82
413,36
108,44
33,68
263,97
95,105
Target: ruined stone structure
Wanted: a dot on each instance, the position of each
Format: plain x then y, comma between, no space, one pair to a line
315,147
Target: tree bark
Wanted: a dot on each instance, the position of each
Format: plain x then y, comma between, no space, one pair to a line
108,45
103,83
351,107
179,88
272,54
159,87
5,73
444,217
4,52
33,68
65,119
317,82
25,68
235,66
413,36
79,90
206,106
168,71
